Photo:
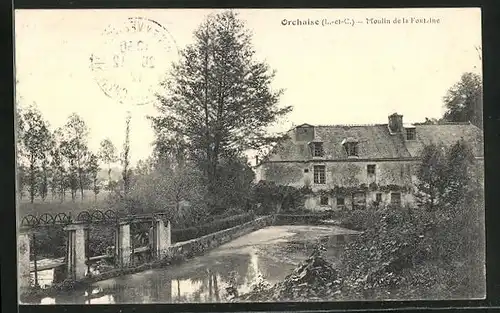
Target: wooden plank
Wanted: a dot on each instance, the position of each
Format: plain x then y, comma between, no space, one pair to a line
50,265
100,257
60,262
141,249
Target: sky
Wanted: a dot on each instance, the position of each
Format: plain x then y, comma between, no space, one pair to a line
332,74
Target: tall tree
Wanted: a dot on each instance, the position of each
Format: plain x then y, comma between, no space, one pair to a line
75,148
36,142
93,171
59,165
43,184
126,158
20,168
219,99
460,171
464,100
107,154
431,176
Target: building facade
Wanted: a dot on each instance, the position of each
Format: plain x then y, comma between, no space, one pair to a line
359,165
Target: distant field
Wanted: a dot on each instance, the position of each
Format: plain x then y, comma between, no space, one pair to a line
56,206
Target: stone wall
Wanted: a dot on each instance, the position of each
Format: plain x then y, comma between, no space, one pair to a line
346,174
198,246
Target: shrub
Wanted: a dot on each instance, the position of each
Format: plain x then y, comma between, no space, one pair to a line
357,219
212,227
50,242
268,194
100,238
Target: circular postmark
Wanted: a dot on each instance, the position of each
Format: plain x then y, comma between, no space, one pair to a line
133,60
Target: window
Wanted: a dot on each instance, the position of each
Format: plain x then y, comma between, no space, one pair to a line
351,148
378,197
340,201
323,200
396,198
359,200
319,174
411,134
318,149
370,169
306,170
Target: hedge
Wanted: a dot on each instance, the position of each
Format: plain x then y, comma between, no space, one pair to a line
215,226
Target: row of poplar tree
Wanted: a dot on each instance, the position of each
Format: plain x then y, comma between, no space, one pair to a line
59,161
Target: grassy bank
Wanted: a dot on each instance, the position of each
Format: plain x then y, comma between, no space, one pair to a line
55,205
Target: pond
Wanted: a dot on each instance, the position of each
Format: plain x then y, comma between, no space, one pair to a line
270,253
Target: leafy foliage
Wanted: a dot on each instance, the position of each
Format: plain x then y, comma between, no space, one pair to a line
431,176
125,158
464,102
107,154
74,147
93,170
267,195
35,140
161,185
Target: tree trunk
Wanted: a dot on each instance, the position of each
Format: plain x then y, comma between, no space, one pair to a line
32,181
80,182
109,177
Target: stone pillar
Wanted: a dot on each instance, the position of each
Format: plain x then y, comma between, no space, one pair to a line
161,238
23,261
122,246
76,251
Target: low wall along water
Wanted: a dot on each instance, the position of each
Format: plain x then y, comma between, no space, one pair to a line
197,246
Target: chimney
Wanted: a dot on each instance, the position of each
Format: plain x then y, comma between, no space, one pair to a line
395,123
256,160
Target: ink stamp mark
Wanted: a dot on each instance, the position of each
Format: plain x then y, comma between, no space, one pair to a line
133,59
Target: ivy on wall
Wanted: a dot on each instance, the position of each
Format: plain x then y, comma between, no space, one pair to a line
345,174
283,173
348,191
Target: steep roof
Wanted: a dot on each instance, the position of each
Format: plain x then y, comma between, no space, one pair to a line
447,134
375,141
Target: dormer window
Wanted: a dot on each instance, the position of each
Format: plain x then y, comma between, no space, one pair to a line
411,134
318,149
350,146
352,149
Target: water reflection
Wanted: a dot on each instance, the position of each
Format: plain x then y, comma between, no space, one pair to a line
205,279
45,278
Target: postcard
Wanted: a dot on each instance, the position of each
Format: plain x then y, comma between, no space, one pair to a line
249,155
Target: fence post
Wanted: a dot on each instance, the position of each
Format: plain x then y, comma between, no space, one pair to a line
35,257
87,249
76,251
122,246
162,238
23,250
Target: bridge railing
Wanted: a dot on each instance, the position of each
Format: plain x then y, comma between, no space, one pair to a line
78,260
